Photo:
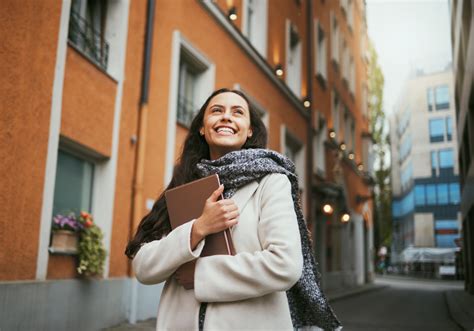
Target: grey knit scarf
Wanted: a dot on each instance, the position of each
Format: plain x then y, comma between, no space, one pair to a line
308,304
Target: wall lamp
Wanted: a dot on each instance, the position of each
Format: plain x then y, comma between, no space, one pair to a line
360,167
346,217
342,146
232,14
351,155
332,134
279,70
327,208
306,103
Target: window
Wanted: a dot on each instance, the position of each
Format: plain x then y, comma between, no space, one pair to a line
87,25
446,240
352,76
334,38
431,194
407,175
321,51
405,147
294,59
436,130
442,97
349,130
350,14
319,153
442,192
336,104
419,195
73,186
254,24
186,92
430,98
446,158
449,128
454,195
345,61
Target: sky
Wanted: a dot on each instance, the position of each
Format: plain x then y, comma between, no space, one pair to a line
408,35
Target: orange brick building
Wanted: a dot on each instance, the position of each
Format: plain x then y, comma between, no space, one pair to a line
95,106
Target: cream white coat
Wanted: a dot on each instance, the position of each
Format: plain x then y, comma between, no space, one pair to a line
245,291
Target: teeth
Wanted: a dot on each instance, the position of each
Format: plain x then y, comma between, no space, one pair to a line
225,130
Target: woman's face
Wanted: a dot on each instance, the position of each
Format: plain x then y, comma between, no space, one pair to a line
226,124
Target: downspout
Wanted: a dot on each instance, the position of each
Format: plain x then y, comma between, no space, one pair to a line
137,184
139,164
309,96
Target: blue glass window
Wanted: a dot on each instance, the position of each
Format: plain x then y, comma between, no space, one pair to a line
442,191
446,240
404,206
446,224
436,130
420,195
430,97
454,196
431,194
446,158
449,127
442,97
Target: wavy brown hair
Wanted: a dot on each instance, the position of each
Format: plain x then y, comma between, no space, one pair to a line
156,223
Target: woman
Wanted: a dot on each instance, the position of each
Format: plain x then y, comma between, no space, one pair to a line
273,251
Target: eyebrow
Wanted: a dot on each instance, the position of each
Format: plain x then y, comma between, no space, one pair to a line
221,106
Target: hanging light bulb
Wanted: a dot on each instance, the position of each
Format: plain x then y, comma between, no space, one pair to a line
232,13
328,209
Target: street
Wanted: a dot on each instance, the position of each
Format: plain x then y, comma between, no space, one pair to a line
405,304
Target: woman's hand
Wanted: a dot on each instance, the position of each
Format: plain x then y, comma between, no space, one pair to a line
216,217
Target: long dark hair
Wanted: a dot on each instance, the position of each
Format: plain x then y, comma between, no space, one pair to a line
156,223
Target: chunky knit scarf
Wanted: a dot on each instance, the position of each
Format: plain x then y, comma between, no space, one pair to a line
308,304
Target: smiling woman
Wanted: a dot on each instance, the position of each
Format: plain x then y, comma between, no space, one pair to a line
273,271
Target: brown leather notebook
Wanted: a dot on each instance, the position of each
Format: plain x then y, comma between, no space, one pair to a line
185,203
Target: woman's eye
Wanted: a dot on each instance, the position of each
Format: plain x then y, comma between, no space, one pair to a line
239,111
215,110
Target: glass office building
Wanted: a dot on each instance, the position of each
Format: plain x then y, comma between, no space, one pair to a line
425,174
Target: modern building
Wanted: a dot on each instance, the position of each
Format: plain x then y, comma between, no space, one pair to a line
96,101
462,37
425,172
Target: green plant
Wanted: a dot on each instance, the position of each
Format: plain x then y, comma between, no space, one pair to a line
91,251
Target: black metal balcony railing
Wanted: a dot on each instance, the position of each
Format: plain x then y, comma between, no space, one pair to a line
186,111
88,40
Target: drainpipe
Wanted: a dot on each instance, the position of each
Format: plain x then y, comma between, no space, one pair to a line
139,164
310,133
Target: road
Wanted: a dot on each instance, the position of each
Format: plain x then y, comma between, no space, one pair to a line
404,304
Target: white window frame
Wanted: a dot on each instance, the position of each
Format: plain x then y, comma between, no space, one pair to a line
258,35
205,86
336,113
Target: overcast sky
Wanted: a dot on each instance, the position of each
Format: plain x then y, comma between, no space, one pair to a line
408,35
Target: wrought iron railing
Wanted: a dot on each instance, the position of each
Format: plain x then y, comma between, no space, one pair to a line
88,40
186,111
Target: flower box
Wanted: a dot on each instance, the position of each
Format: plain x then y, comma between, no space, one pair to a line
64,241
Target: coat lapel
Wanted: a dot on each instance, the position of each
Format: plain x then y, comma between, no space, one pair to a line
243,195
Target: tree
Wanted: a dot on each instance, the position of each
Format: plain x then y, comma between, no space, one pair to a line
381,149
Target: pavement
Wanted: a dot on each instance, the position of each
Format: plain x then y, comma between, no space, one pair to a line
461,308
460,304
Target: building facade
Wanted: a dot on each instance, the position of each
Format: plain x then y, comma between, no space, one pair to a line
97,104
425,172
462,37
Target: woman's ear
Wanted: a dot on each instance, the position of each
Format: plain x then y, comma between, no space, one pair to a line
201,131
250,133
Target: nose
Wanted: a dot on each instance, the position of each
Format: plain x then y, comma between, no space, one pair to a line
226,115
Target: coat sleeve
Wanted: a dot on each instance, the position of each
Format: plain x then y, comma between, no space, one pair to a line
157,260
277,267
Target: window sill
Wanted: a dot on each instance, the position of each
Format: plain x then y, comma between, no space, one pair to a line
55,251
